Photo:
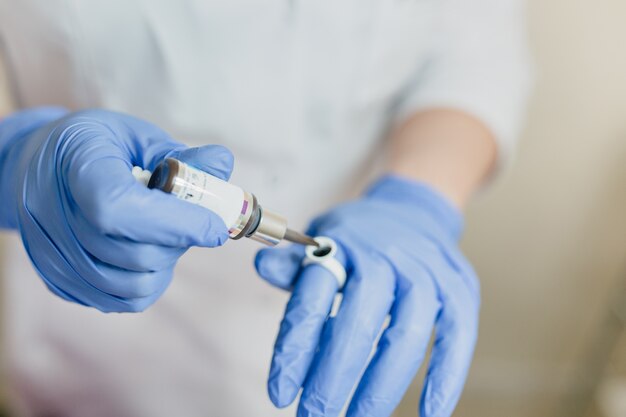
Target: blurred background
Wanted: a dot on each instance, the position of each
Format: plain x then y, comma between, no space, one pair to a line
549,238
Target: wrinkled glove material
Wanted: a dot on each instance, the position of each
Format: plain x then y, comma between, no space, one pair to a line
406,277
95,235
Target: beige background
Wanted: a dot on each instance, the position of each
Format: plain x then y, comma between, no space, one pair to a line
5,107
549,239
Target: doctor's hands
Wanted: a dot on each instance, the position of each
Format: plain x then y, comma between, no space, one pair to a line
399,246
95,235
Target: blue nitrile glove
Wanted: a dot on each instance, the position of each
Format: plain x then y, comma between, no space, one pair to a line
399,246
95,235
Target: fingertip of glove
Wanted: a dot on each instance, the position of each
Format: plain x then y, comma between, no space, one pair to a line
437,400
216,239
214,232
261,262
222,162
221,152
277,266
217,160
265,264
282,393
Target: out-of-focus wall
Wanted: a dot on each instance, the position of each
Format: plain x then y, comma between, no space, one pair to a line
549,240
5,107
5,100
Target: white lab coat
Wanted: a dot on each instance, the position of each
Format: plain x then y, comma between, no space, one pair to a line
303,93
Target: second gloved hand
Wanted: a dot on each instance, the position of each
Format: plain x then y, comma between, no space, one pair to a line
95,235
399,246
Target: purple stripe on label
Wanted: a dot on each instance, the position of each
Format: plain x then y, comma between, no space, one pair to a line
245,207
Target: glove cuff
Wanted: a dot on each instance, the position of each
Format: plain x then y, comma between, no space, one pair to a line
420,196
13,132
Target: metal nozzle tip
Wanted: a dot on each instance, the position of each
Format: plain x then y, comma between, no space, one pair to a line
297,237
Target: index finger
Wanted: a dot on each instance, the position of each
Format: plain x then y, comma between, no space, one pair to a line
300,330
348,339
98,177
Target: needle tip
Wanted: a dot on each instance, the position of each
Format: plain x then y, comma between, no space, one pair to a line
296,237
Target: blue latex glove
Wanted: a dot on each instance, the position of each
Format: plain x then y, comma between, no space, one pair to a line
95,235
399,246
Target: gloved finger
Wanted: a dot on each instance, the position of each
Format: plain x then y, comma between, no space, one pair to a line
153,145
214,159
113,280
401,348
455,338
142,257
348,338
142,143
298,338
299,334
120,252
127,284
20,124
100,182
70,276
88,295
280,266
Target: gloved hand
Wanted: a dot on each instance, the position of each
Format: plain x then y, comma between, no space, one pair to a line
399,246
95,235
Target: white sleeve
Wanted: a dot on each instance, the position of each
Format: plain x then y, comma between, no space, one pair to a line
479,64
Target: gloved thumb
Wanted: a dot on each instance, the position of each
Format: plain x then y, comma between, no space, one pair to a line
214,159
280,266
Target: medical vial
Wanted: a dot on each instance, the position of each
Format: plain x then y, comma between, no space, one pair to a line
238,208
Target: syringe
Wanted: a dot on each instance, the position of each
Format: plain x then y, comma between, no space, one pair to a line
239,209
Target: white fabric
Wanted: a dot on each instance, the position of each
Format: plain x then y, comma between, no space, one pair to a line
289,87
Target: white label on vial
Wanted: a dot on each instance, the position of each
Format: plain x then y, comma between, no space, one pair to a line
203,189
